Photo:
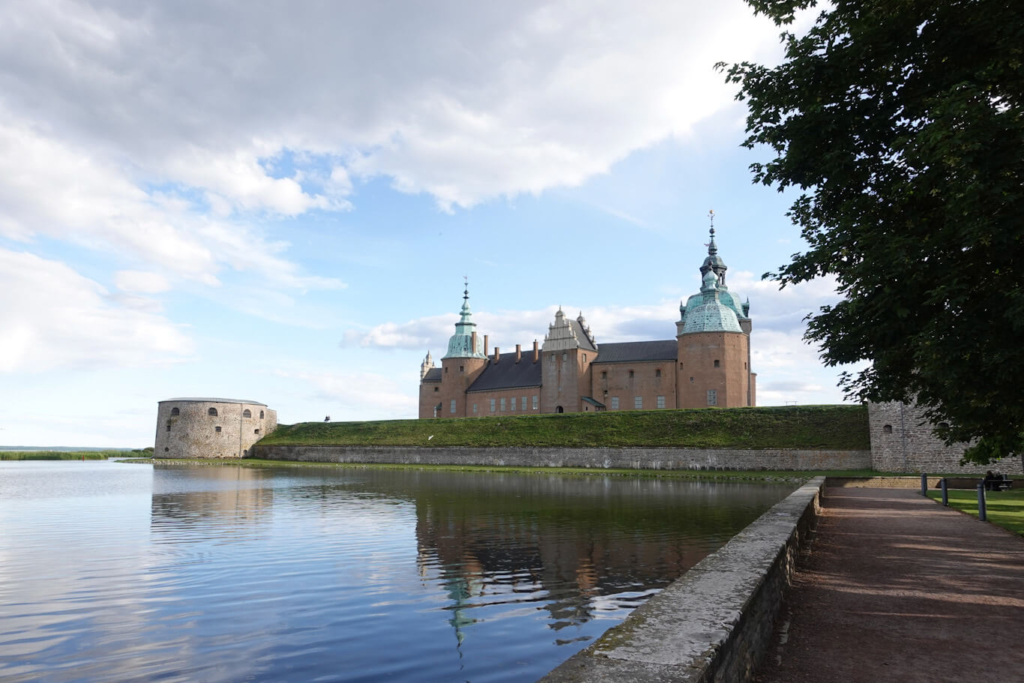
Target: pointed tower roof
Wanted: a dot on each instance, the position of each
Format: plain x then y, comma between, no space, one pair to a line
714,262
460,344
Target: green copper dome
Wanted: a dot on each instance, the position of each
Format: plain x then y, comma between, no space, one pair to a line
460,345
709,314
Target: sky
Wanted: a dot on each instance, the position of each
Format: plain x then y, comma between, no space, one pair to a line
278,201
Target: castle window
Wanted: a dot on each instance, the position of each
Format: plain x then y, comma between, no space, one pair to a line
657,373
535,403
436,389
216,429
246,413
887,429
168,427
474,409
175,412
943,425
453,406
461,368
565,356
261,414
744,366
492,405
712,397
513,403
255,431
212,412
503,404
166,449
631,374
661,401
584,358
615,402
604,375
524,403
680,366
446,371
691,380
638,402
717,364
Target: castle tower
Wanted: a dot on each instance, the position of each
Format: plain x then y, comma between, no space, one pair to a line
426,366
713,352
741,310
462,364
569,349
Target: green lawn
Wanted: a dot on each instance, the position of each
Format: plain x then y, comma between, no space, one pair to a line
1005,508
803,427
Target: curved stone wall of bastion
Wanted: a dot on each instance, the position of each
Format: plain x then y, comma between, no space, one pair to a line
210,427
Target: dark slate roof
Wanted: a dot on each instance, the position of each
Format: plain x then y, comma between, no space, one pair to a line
433,375
584,340
635,352
508,374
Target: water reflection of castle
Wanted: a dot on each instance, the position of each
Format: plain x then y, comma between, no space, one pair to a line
574,542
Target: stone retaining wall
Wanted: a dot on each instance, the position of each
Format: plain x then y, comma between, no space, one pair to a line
629,458
715,623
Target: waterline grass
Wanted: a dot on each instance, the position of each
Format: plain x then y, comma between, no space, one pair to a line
1004,508
798,427
75,455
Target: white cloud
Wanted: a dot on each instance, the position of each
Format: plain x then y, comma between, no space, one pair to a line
52,189
139,282
55,318
462,101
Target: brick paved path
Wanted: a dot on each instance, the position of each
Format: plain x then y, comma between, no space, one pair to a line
897,588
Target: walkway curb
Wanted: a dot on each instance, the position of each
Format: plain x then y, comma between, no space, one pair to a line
714,623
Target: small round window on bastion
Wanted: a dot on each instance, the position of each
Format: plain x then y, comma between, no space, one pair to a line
261,414
174,412
246,413
212,412
887,429
216,429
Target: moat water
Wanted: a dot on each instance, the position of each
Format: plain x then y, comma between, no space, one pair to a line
116,572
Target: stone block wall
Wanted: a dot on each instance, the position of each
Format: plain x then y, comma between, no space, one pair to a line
902,441
599,458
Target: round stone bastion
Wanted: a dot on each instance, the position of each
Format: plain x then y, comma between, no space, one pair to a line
210,427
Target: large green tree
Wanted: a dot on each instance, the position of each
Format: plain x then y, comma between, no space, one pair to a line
902,124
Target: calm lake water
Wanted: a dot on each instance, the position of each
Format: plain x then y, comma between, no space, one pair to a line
116,572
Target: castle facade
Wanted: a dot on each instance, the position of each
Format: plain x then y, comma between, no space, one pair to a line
707,364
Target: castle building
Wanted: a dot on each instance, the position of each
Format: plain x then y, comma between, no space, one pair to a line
210,427
707,364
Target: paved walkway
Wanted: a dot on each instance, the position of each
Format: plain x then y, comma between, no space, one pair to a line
897,588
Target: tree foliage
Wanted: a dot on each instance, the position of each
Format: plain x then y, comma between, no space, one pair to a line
902,123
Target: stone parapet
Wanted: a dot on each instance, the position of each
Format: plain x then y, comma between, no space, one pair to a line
625,458
716,622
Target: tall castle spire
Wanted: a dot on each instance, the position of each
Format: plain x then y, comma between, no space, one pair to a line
714,261
461,345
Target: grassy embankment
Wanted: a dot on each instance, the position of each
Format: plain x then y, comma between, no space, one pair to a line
798,427
1005,508
76,455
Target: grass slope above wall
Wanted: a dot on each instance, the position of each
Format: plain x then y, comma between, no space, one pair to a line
837,427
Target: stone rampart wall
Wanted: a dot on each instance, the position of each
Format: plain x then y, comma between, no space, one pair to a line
902,441
716,622
634,458
186,429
